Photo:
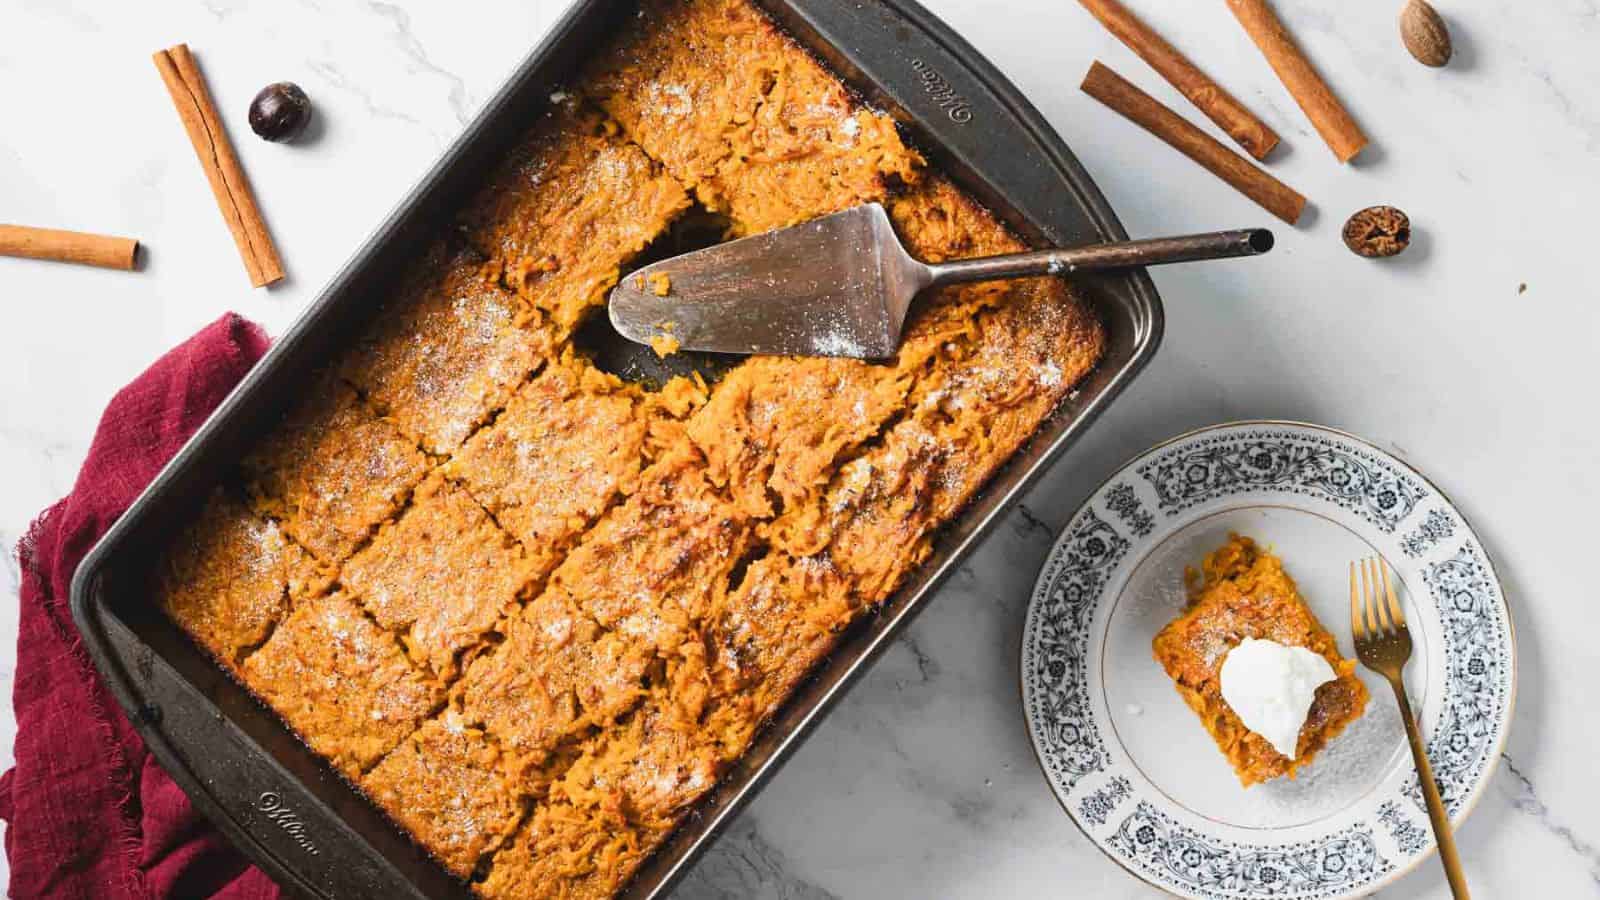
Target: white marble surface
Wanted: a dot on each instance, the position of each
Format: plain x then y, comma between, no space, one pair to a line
922,783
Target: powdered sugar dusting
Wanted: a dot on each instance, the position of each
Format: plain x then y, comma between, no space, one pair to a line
1049,375
836,343
857,478
671,99
264,545
847,130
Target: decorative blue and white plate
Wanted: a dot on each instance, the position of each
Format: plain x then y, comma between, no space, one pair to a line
1133,765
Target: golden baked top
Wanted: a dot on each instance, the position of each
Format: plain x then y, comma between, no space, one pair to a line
448,354
534,611
441,575
341,681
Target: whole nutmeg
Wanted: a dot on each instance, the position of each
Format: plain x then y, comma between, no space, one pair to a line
1423,31
1377,231
280,111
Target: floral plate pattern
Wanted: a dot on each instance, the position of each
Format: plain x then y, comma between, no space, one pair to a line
1348,836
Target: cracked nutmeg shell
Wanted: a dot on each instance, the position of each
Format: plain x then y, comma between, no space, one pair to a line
1377,231
280,111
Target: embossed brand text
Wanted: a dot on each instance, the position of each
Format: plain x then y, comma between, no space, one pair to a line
271,804
954,105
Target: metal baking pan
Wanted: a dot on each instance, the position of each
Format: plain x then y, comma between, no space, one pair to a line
279,802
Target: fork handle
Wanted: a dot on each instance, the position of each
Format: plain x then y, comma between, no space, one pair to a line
1430,791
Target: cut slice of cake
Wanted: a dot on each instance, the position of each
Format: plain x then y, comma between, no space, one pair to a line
1242,592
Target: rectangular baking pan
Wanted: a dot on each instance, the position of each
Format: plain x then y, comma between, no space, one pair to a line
280,803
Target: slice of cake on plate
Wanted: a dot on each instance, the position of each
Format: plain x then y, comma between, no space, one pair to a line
1251,659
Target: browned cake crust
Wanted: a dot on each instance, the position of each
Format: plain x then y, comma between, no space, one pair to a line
332,471
568,446
231,576
341,681
576,598
449,351
442,576
448,785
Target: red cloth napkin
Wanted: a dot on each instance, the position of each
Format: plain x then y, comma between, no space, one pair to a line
89,813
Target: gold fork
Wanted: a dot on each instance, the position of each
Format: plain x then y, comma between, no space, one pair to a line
1383,644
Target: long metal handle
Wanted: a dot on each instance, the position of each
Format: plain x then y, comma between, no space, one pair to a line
1430,790
1152,252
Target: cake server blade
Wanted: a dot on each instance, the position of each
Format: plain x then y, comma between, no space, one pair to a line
841,285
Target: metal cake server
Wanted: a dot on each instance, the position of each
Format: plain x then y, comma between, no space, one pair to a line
841,285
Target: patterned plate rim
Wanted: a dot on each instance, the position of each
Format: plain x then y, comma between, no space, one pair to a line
1416,842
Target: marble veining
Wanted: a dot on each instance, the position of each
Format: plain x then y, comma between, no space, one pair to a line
1472,356
328,71
747,866
1527,801
460,103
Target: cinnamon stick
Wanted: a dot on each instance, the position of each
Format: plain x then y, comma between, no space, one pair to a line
1148,113
228,182
1327,114
100,250
1211,98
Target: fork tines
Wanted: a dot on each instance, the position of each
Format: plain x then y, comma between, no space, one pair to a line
1376,602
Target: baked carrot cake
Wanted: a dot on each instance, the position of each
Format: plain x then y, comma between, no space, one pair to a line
773,429
782,618
333,471
569,852
342,682
577,200
739,114
659,562
448,784
441,576
231,576
565,447
555,676
1241,593
448,352
534,611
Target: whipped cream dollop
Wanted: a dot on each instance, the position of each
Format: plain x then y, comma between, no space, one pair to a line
1270,687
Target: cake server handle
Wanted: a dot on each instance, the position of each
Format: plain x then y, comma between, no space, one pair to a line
1123,254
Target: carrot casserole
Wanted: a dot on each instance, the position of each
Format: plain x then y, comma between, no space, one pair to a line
532,611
